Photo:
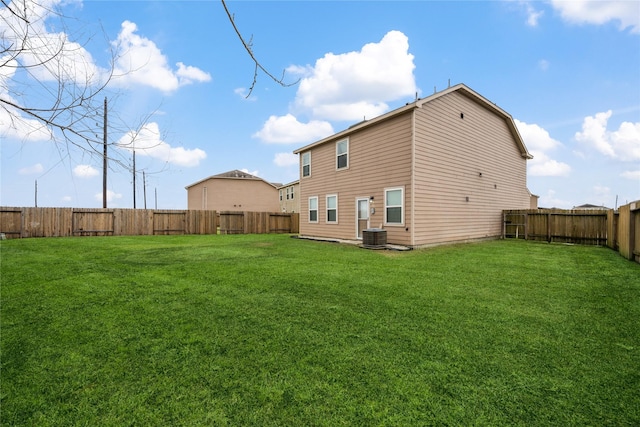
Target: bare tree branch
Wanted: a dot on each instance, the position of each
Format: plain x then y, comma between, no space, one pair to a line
248,46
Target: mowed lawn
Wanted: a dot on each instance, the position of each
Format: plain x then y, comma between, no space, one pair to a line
268,330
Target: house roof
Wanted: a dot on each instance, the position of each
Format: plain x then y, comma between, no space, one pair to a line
235,174
460,88
297,181
589,206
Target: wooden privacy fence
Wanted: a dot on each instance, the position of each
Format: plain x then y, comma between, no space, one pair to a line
258,222
557,225
618,230
627,238
66,222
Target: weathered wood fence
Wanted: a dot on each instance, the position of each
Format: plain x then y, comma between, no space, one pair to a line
66,222
557,225
619,230
258,222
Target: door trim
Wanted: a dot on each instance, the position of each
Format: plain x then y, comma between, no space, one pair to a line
358,200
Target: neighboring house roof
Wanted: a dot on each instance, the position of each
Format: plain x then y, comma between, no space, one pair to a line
235,174
588,206
461,88
297,181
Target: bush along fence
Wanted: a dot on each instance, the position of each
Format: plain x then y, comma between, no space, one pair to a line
619,230
67,222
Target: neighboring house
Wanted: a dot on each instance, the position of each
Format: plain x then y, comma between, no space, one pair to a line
440,169
589,207
289,197
233,191
533,201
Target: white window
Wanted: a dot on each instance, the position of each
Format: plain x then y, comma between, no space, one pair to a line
292,192
280,194
332,208
313,209
288,192
342,154
394,206
306,163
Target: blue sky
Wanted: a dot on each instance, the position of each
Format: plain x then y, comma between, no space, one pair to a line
568,73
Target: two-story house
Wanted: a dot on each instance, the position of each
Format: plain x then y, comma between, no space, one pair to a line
289,197
233,191
438,170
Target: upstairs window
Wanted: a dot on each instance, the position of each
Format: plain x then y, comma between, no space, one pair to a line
281,195
313,209
394,206
332,208
292,192
342,154
306,163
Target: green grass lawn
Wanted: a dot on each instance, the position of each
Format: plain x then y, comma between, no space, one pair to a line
269,330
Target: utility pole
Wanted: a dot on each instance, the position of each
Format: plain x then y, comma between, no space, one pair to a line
144,188
104,158
36,193
156,191
134,177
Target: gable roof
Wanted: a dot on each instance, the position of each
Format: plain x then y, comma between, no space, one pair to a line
460,88
234,174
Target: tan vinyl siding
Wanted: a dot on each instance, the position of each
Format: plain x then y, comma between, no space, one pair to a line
450,154
379,158
230,194
291,204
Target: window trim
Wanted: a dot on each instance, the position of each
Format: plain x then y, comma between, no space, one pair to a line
302,164
327,208
401,206
309,209
345,140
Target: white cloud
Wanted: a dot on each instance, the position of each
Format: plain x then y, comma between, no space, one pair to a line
85,171
111,196
12,123
32,170
345,87
285,159
539,142
633,175
533,15
543,65
626,12
148,142
288,130
622,144
551,200
140,61
49,56
354,85
545,166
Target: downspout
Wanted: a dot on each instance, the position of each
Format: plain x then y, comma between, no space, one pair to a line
413,177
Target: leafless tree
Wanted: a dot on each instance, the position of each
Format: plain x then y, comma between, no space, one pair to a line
49,85
248,46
